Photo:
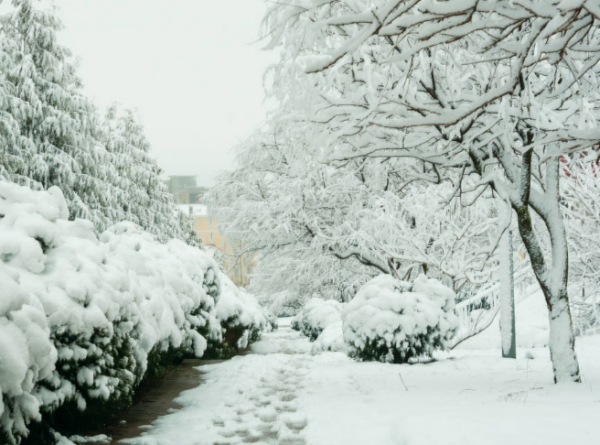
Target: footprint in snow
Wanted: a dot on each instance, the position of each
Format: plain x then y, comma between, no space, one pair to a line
295,422
267,415
287,396
218,421
285,407
288,437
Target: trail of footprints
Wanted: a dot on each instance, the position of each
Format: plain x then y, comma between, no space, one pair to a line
269,414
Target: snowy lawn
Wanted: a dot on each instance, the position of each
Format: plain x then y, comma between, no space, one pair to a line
474,397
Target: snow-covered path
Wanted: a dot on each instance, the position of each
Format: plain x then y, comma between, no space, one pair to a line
249,399
281,395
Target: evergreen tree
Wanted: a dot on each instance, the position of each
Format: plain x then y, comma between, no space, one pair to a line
54,118
18,102
52,135
141,196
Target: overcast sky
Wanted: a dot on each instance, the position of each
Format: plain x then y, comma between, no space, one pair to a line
190,67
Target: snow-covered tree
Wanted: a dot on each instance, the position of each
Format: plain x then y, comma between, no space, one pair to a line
139,193
19,155
52,115
52,135
581,207
275,202
487,95
328,230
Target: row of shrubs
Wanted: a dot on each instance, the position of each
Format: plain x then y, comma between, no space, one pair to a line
84,319
388,320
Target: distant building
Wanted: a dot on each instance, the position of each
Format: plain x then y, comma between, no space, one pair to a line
185,189
238,266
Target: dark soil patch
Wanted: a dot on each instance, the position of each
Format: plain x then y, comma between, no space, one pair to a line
154,399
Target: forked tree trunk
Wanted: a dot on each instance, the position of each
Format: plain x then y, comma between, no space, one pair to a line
562,340
552,277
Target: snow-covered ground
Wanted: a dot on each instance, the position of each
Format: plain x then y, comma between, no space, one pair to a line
281,394
254,398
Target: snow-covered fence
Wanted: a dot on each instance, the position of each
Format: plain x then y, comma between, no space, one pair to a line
83,318
476,313
584,297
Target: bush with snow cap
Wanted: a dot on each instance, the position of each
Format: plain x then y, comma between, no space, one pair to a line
80,315
241,318
26,356
331,340
272,324
395,321
172,284
316,315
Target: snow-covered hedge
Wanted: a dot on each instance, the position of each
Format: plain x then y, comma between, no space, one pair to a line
331,339
241,318
83,318
394,321
316,315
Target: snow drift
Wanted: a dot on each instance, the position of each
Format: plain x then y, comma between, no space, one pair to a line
394,321
81,314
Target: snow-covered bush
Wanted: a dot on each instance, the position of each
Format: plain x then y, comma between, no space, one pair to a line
84,318
241,318
316,315
394,321
174,286
284,303
26,356
331,339
272,324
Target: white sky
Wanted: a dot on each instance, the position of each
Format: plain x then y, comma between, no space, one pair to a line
191,67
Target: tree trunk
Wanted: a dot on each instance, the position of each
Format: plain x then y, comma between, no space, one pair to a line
552,278
562,340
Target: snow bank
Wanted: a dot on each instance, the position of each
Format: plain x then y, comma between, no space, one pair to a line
81,314
331,339
316,315
394,321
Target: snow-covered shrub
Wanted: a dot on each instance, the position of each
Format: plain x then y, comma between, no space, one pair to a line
80,315
272,324
26,356
316,315
331,339
394,321
241,318
295,322
283,303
